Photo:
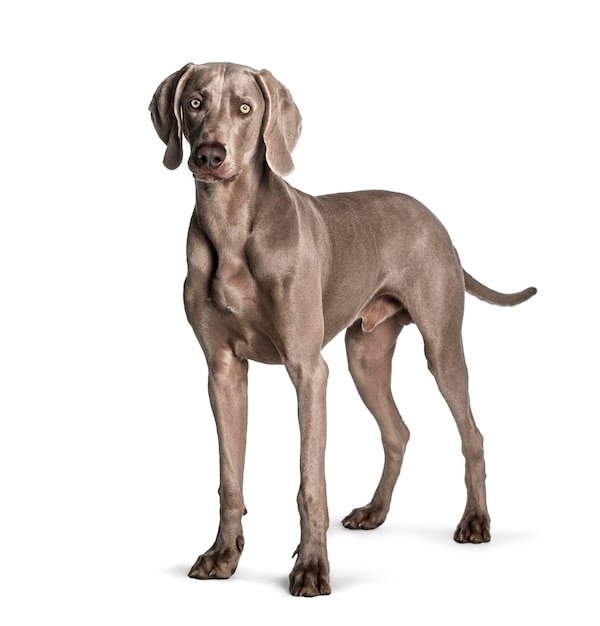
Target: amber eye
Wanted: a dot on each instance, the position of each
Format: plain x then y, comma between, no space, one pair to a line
245,109
195,103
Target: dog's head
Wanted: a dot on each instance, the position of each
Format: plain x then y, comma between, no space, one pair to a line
229,114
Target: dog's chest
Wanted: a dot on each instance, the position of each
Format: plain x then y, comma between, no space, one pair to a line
233,294
233,288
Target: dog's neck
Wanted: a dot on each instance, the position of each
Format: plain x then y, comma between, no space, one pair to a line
223,213
227,210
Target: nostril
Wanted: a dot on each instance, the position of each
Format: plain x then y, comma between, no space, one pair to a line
211,156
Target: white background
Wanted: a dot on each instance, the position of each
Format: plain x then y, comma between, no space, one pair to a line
485,111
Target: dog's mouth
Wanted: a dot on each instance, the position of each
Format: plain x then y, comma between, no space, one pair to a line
211,177
221,174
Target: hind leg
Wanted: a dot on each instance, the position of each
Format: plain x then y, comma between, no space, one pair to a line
445,357
370,363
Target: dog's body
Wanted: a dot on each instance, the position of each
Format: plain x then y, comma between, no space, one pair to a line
274,274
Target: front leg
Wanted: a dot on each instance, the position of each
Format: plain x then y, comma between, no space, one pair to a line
310,575
228,390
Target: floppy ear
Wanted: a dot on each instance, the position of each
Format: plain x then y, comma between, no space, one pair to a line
165,110
282,123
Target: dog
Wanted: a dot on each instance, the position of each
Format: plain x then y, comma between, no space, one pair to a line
274,274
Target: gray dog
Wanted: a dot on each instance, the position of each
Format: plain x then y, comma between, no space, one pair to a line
274,274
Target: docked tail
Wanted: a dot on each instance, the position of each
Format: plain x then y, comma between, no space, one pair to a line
475,288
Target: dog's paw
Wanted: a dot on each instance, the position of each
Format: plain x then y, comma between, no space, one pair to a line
218,562
310,578
473,528
365,518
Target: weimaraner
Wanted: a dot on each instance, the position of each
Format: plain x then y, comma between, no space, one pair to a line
274,274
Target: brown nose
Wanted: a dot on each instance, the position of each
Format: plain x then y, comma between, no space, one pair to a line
210,155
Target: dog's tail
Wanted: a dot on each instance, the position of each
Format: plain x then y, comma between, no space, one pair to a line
475,288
